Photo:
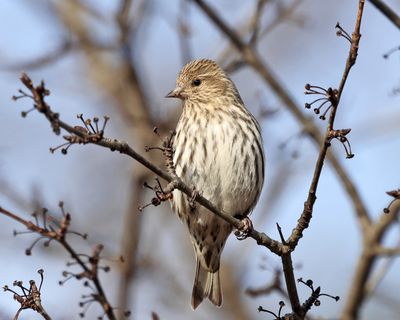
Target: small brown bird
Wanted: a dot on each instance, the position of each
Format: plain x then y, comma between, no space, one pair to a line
218,149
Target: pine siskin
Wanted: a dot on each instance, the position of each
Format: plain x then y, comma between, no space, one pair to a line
218,150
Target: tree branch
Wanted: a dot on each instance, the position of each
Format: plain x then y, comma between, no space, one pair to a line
387,12
82,137
366,262
90,270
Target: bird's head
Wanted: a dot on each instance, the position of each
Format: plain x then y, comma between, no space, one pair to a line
202,81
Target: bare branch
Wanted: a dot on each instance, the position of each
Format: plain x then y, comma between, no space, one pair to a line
90,269
387,11
366,262
255,22
62,50
333,97
184,32
83,137
29,297
387,251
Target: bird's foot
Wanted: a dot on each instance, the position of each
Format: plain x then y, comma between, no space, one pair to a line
245,228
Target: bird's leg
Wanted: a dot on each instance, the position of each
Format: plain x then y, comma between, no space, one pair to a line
245,228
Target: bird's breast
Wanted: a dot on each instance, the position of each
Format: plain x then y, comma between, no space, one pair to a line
215,155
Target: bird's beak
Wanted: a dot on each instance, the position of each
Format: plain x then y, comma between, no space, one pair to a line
176,93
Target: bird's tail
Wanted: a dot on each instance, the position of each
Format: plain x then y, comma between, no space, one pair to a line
206,285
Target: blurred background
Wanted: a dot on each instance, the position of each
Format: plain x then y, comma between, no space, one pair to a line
120,58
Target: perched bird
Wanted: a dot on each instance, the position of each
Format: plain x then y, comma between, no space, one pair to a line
218,150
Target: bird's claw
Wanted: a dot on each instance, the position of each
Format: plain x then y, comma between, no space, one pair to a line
245,228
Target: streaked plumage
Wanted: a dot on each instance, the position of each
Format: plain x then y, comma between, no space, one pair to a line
218,150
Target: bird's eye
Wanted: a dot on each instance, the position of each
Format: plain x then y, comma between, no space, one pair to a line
196,82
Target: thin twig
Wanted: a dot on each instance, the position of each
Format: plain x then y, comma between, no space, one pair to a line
387,11
184,32
291,285
123,20
283,14
256,21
